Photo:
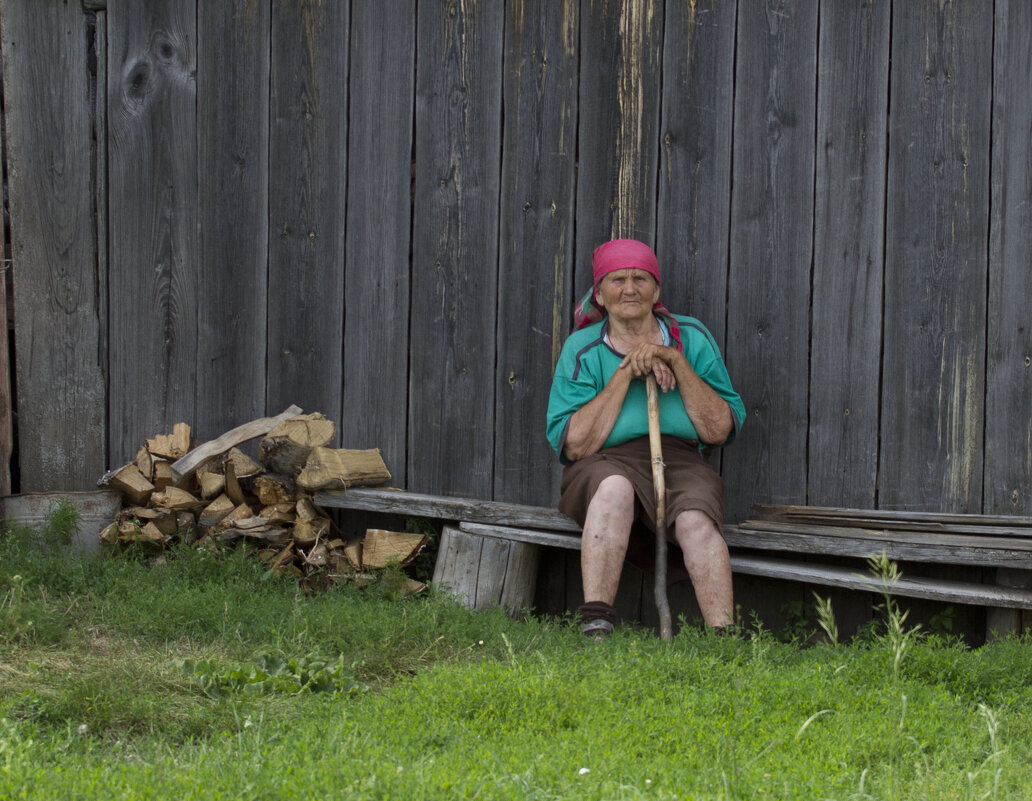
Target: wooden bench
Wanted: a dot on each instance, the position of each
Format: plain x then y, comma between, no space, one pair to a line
489,550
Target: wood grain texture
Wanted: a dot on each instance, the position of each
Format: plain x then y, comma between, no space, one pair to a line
617,156
935,268
59,365
536,253
447,508
854,543
153,259
455,240
379,231
771,250
308,138
695,159
233,187
934,589
849,230
1008,413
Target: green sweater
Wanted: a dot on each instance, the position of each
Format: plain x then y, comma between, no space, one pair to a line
587,363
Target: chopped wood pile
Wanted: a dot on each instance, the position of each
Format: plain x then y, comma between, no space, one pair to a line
214,494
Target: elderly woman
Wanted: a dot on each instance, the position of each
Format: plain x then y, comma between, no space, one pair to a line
598,425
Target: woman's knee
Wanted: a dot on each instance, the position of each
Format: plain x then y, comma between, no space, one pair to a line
695,529
614,489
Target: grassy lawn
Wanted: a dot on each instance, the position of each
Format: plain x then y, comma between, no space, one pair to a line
203,677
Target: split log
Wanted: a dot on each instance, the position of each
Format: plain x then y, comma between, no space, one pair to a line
240,512
381,547
212,483
163,476
186,466
308,532
279,512
353,552
171,446
214,512
233,488
130,482
145,462
274,490
306,510
286,448
243,465
341,468
175,499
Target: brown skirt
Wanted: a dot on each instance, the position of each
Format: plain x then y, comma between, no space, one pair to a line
691,483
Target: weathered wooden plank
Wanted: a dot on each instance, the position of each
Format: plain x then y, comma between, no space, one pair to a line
520,577
935,269
975,541
458,563
535,257
849,227
695,159
233,187
60,369
935,589
771,250
152,202
927,519
859,546
307,177
1008,414
617,151
455,240
494,559
377,273
512,533
447,508
230,439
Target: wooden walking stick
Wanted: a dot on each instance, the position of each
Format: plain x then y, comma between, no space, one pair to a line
666,630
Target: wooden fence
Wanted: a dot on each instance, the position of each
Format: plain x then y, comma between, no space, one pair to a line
382,210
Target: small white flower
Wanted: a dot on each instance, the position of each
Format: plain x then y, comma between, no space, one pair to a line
648,781
83,728
582,771
481,642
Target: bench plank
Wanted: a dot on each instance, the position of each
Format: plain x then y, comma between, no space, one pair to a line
857,543
393,501
934,589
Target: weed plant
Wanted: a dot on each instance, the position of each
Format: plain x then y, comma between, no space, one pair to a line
203,677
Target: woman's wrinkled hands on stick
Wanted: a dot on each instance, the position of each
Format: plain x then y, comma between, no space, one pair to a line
656,359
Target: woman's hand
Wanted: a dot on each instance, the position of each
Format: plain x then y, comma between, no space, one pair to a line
656,359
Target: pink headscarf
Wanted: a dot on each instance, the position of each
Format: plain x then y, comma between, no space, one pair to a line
623,254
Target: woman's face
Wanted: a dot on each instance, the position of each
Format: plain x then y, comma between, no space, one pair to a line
627,294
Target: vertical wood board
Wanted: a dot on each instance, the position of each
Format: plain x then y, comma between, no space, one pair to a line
153,260
695,159
620,70
535,257
233,186
849,229
771,251
379,231
935,266
307,178
1008,413
455,242
60,367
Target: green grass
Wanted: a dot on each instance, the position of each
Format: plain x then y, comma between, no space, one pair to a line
202,677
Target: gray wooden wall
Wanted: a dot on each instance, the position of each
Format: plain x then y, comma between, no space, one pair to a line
382,210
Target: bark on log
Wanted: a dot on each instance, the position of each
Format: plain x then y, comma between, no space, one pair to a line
286,448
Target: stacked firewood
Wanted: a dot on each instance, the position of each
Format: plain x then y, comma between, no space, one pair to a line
214,494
